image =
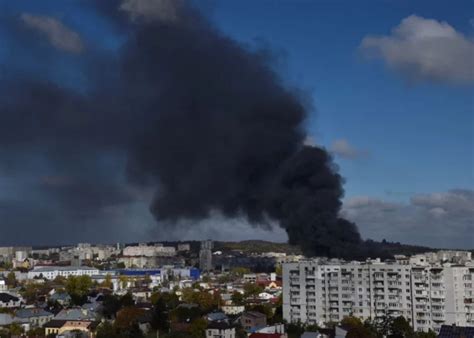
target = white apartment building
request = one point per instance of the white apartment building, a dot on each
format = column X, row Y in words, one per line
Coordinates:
column 149, row 250
column 427, row 295
column 51, row 272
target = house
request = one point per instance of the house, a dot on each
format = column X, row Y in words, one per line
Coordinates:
column 265, row 296
column 62, row 298
column 233, row 309
column 36, row 317
column 220, row 330
column 217, row 317
column 9, row 301
column 7, row 319
column 62, row 327
column 252, row 320
column 76, row 314
column 453, row 331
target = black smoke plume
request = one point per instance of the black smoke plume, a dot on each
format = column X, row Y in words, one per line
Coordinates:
column 189, row 111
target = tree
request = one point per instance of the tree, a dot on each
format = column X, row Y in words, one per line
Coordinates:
column 110, row 306
column 239, row 271
column 15, row 329
column 279, row 270
column 237, row 298
column 105, row 330
column 127, row 300
column 252, row 289
column 184, row 314
column 295, row 330
column 429, row 334
column 147, row 280
column 60, row 280
column 107, row 283
column 197, row 328
column 355, row 328
column 79, row 285
column 11, row 279
column 400, row 328
column 360, row 332
column 164, row 302
column 123, row 281
column 128, row 316
column 36, row 332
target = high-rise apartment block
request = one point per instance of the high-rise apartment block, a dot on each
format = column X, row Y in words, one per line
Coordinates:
column 427, row 290
column 205, row 255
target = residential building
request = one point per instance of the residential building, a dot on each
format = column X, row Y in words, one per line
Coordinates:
column 36, row 317
column 58, row 327
column 251, row 321
column 149, row 250
column 453, row 331
column 205, row 255
column 426, row 291
column 220, row 330
column 9, row 301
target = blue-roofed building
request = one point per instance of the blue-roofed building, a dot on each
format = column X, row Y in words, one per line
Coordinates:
column 453, row 331
column 37, row 317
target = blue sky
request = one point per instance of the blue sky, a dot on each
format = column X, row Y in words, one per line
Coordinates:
column 412, row 138
column 419, row 136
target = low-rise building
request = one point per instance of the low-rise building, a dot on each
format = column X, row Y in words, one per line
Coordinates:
column 9, row 301
column 60, row 327
column 51, row 272
column 36, row 317
column 220, row 330
column 251, row 321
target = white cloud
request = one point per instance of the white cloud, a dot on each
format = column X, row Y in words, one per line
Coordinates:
column 344, row 149
column 425, row 49
column 56, row 32
column 443, row 219
column 162, row 10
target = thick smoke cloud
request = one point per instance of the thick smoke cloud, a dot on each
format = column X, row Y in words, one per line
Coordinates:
column 204, row 121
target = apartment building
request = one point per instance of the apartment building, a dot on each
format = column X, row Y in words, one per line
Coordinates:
column 428, row 295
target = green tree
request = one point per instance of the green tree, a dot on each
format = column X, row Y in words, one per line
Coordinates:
column 15, row 329
column 123, row 281
column 106, row 330
column 355, row 328
column 279, row 270
column 79, row 285
column 110, row 306
column 107, row 283
column 36, row 332
column 11, row 280
column 252, row 289
column 197, row 328
column 429, row 334
column 237, row 298
column 400, row 327
column 239, row 271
